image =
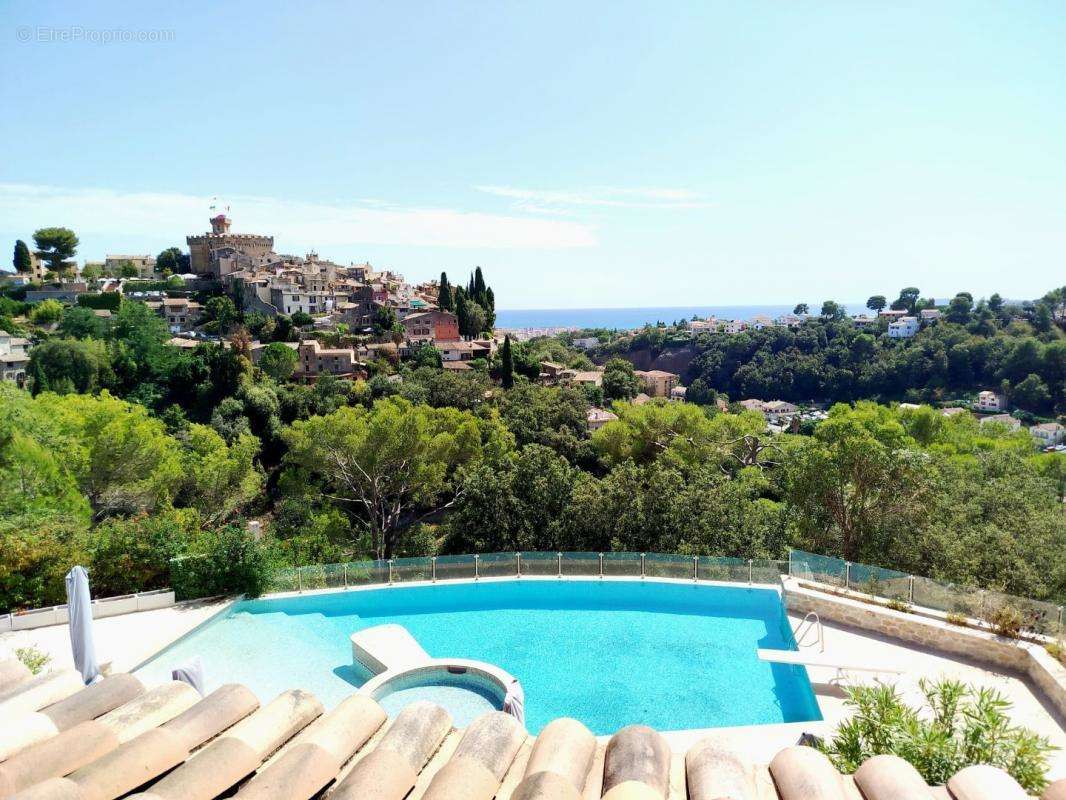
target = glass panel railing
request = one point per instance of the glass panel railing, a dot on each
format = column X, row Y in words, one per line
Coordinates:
column 498, row 565
column 581, row 564
column 540, row 563
column 622, row 564
column 449, row 568
column 768, row 571
column 821, row 569
column 723, row 568
column 659, row 565
column 405, row 570
column 878, row 581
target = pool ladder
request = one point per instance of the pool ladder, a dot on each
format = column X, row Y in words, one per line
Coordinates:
column 809, row 632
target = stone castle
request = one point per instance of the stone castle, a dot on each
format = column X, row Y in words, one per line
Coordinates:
column 201, row 247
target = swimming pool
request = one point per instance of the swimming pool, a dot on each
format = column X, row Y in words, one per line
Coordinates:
column 609, row 653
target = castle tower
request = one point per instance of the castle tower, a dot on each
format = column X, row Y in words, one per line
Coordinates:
column 203, row 245
column 220, row 224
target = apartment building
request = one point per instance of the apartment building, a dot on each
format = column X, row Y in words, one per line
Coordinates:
column 657, row 382
column 14, row 356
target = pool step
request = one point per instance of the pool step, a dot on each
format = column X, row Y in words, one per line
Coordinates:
column 387, row 647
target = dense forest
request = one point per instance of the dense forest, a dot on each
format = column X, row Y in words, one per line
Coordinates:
column 1016, row 349
column 143, row 461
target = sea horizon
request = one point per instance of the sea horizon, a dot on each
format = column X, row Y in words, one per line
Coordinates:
column 637, row 317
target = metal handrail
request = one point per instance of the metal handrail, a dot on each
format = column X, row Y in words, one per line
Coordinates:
column 810, row 623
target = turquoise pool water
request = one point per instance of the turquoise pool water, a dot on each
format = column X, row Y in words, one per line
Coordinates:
column 609, row 653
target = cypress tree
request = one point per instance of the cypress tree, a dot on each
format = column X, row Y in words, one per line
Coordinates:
column 444, row 294
column 507, row 364
column 479, row 287
column 21, row 261
column 460, row 313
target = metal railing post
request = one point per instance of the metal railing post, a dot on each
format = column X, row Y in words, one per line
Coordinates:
column 300, row 579
column 1060, row 620
column 601, row 565
column 390, row 571
column 695, row 568
column 790, row 562
column 559, row 557
column 642, row 573
column 518, row 562
column 345, row 574
column 433, row 569
column 750, row 571
column 847, row 575
column 477, row 570
column 910, row 590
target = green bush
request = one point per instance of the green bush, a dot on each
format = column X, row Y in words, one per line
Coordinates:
column 961, row 726
column 226, row 561
column 100, row 300
column 1005, row 621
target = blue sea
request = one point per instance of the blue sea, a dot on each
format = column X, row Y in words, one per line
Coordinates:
column 624, row 318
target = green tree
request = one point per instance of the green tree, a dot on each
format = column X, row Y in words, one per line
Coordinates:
column 832, row 310
column 619, row 380
column 444, row 294
column 222, row 312
column 395, row 462
column 877, row 303
column 301, row 319
column 56, row 247
column 46, row 312
column 82, row 323
column 506, row 364
column 278, row 361
column 959, row 309
column 384, row 319
column 907, row 299
column 21, row 260
column 801, row 309
column 172, row 261
column 67, row 365
column 1031, row 394
column 220, row 478
column 855, row 481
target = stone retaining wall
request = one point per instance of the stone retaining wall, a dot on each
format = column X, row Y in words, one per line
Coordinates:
column 929, row 630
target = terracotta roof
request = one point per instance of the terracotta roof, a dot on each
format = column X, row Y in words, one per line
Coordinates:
column 62, row 740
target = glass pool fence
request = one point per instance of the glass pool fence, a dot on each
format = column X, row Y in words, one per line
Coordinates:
column 1037, row 616
column 912, row 590
column 504, row 565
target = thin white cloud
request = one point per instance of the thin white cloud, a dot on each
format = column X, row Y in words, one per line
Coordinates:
column 293, row 223
column 604, row 196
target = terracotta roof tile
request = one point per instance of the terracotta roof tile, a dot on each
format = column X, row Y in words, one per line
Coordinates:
column 173, row 745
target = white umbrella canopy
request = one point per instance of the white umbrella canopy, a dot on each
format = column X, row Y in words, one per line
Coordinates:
column 79, row 607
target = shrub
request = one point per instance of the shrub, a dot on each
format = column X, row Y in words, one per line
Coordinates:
column 227, row 561
column 109, row 301
column 1005, row 621
column 961, row 726
column 955, row 618
column 1057, row 650
column 898, row 604
column 34, row 659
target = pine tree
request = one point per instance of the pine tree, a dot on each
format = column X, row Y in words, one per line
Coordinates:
column 21, row 261
column 507, row 364
column 444, row 294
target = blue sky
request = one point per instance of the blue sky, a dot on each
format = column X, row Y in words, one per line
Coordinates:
column 584, row 154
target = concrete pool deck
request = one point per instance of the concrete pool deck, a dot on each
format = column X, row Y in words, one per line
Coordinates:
column 128, row 640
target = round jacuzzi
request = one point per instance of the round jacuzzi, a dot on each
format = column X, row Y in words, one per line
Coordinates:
column 466, row 689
